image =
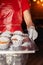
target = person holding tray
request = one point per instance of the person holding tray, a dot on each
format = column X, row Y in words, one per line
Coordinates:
column 12, row 13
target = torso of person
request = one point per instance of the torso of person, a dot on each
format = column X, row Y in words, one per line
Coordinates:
column 10, row 15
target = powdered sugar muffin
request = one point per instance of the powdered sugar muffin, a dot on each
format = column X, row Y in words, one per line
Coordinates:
column 4, row 42
column 17, row 40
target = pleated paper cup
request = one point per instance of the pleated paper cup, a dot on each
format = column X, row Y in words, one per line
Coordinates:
column 4, row 42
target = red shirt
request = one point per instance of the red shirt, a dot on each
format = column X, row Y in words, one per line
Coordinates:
column 11, row 14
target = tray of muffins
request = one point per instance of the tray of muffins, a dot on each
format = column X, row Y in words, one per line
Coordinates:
column 16, row 41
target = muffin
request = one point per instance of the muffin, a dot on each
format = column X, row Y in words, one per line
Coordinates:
column 17, row 40
column 4, row 42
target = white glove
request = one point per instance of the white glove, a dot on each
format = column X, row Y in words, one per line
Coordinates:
column 32, row 33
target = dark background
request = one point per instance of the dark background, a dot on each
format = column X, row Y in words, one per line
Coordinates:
column 37, row 17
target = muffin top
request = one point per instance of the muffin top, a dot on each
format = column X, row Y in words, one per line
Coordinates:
column 4, row 39
column 16, row 37
column 6, row 33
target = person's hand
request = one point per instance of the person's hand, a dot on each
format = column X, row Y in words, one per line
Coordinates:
column 32, row 33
